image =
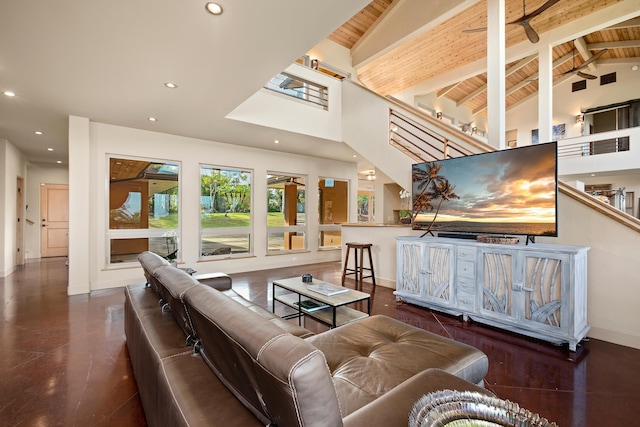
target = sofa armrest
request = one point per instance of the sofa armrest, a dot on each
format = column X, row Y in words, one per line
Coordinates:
column 219, row 281
column 393, row 408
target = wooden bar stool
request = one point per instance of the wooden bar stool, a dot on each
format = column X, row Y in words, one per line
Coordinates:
column 358, row 249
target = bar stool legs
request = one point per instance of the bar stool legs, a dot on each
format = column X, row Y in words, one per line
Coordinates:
column 358, row 271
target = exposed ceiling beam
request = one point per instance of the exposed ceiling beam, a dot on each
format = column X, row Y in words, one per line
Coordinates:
column 442, row 92
column 630, row 23
column 509, row 71
column 618, row 61
column 626, row 44
column 530, row 79
column 535, row 94
column 581, row 46
column 564, row 58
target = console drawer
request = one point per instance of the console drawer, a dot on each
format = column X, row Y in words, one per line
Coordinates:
column 466, row 300
column 466, row 284
column 466, row 253
column 466, row 269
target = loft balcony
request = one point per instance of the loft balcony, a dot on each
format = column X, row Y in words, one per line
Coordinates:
column 601, row 153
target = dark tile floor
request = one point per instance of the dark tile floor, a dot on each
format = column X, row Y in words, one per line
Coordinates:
column 64, row 361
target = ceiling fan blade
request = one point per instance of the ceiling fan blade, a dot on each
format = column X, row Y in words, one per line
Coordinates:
column 591, row 59
column 536, row 12
column 530, row 32
column 475, row 30
column 586, row 76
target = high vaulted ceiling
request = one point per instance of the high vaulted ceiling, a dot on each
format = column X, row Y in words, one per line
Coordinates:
column 430, row 53
column 109, row 62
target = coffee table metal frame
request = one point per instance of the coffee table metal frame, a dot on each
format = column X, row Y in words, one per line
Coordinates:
column 336, row 314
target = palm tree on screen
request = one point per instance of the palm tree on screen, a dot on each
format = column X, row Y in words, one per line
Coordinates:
column 431, row 186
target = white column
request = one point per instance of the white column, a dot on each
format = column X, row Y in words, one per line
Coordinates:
column 545, row 93
column 496, row 72
column 79, row 206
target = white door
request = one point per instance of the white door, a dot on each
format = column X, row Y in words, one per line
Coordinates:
column 54, row 220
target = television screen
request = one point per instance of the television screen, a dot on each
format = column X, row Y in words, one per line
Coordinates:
column 510, row 191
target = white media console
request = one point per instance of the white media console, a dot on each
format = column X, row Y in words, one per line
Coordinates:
column 538, row 290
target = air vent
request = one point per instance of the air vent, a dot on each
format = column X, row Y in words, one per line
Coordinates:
column 579, row 85
column 607, row 78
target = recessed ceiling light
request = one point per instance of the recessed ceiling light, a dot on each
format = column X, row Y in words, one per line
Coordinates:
column 38, row 132
column 49, row 149
column 276, row 141
column 153, row 119
column 59, row 162
column 634, row 68
column 354, row 156
column 213, row 8
column 171, row 85
column 9, row 93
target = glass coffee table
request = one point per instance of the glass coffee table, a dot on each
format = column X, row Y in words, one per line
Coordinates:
column 331, row 310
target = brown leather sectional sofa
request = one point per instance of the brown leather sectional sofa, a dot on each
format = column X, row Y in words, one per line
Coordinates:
column 203, row 355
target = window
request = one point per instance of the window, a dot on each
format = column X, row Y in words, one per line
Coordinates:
column 286, row 213
column 143, row 209
column 300, row 88
column 333, row 202
column 225, row 212
column 365, row 205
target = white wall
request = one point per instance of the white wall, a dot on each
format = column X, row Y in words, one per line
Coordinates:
column 38, row 174
column 14, row 166
column 449, row 109
column 335, row 55
column 189, row 153
column 567, row 104
column 280, row 111
column 613, row 270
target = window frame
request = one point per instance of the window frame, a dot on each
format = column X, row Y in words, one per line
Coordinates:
column 138, row 233
column 227, row 231
column 322, row 227
column 304, row 229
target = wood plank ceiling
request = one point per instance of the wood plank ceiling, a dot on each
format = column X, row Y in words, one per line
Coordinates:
column 447, row 46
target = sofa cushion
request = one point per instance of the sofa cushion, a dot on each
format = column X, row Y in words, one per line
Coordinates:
column 397, row 404
column 190, row 395
column 370, row 357
column 276, row 375
column 288, row 326
column 152, row 336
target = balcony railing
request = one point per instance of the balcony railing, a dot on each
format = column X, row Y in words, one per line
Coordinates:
column 591, row 148
column 299, row 88
column 420, row 142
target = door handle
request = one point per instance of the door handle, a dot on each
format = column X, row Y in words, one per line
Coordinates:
column 44, row 225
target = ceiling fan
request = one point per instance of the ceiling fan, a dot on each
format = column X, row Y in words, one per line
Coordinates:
column 578, row 70
column 523, row 21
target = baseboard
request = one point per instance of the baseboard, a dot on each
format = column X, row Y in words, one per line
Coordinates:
column 615, row 337
column 8, row 271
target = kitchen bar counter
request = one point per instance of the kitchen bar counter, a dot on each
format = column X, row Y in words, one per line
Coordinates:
column 382, row 236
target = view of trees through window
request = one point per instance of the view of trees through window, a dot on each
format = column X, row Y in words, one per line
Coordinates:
column 225, row 211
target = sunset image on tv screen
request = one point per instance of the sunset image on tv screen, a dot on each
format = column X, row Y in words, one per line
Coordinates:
column 510, row 191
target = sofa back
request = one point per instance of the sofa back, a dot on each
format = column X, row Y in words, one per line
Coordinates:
column 151, row 261
column 281, row 378
column 173, row 283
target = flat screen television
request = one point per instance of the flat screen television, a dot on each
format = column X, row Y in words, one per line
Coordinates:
column 505, row 192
